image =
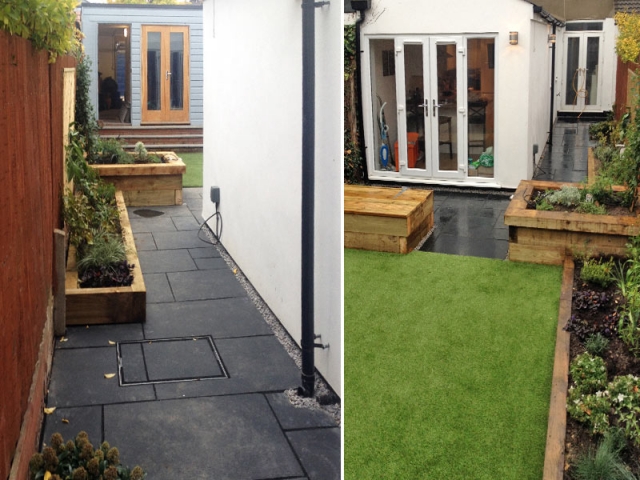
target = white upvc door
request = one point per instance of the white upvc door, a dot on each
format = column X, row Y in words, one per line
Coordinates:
column 582, row 88
column 430, row 112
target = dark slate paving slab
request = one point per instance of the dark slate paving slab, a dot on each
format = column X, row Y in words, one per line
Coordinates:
column 292, row 417
column 173, row 210
column 254, row 364
column 194, row 204
column 153, row 224
column 233, row 438
column 182, row 359
column 77, row 379
column 177, row 240
column 210, row 263
column 474, row 247
column 204, row 252
column 99, row 335
column 191, row 192
column 88, row 419
column 229, row 317
column 319, row 452
column 185, row 223
column 163, row 261
column 133, row 367
column 144, row 241
column 158, row 289
column 204, row 285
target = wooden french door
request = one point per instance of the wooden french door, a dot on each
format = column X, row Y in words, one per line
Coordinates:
column 165, row 74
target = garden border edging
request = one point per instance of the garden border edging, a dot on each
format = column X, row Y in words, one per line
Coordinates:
column 557, row 422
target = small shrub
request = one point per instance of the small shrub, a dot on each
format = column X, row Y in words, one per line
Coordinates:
column 141, row 152
column 106, row 250
column 569, row 196
column 606, row 462
column 590, row 300
column 596, row 344
column 589, row 373
column 598, row 271
column 77, row 460
column 591, row 409
column 625, row 400
column 544, row 206
column 591, row 208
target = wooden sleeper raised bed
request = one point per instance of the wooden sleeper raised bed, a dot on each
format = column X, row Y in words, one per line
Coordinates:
column 107, row 305
column 147, row 184
column 548, row 237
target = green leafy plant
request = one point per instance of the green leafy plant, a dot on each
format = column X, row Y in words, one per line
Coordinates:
column 544, row 205
column 596, row 344
column 141, row 153
column 48, row 24
column 591, row 208
column 605, row 462
column 85, row 118
column 590, row 408
column 106, row 250
column 625, row 399
column 589, row 373
column 78, row 460
column 568, row 195
column 597, row 271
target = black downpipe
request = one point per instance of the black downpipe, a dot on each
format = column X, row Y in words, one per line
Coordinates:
column 553, row 88
column 308, row 196
column 358, row 80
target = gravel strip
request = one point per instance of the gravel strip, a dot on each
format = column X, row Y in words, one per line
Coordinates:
column 324, row 398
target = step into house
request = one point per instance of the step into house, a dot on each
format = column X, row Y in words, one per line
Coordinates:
column 177, row 138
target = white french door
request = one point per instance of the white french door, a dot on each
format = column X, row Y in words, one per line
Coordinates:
column 430, row 107
column 582, row 73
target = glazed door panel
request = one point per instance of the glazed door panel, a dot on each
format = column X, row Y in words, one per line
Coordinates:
column 165, row 74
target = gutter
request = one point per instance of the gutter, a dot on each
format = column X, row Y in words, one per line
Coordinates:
column 308, row 335
column 358, row 82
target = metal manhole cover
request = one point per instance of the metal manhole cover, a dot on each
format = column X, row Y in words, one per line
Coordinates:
column 169, row 360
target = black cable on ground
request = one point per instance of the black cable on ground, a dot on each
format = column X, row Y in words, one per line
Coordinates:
column 217, row 234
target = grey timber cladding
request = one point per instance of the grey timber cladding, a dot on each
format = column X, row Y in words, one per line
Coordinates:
column 627, row 5
column 136, row 16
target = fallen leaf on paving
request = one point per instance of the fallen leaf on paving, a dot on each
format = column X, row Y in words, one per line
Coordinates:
column 87, row 326
column 235, row 270
column 64, row 420
column 63, row 339
column 111, row 343
column 49, row 411
column 109, row 375
column 195, row 339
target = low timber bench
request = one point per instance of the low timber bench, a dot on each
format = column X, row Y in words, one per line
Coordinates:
column 386, row 219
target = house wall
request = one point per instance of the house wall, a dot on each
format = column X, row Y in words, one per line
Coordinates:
column 136, row 16
column 512, row 67
column 539, row 90
column 252, row 151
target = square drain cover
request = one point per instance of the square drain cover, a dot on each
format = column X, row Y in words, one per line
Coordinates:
column 168, row 360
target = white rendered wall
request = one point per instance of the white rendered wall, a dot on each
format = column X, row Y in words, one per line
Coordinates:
column 512, row 64
column 539, row 91
column 252, row 151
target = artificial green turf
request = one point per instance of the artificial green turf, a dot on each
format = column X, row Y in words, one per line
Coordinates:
column 193, row 177
column 448, row 365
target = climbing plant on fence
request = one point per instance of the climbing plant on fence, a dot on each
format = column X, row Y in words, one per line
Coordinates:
column 48, row 24
column 353, row 161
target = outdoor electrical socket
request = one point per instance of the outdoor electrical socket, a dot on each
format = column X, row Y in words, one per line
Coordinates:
column 535, row 148
column 215, row 195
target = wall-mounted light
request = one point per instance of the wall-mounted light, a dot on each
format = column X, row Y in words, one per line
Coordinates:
column 513, row 38
column 126, row 32
column 552, row 39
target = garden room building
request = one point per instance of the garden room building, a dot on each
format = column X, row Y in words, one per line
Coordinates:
column 466, row 92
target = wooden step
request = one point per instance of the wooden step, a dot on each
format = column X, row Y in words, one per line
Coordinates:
column 158, row 139
column 124, row 130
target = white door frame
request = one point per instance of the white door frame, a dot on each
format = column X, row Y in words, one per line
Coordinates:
column 579, row 78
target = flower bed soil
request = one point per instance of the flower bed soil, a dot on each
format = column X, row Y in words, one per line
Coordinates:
column 619, row 361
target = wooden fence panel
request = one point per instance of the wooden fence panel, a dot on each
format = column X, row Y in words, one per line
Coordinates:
column 30, row 187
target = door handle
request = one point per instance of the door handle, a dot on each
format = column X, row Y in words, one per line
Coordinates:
column 168, row 74
column 435, row 105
